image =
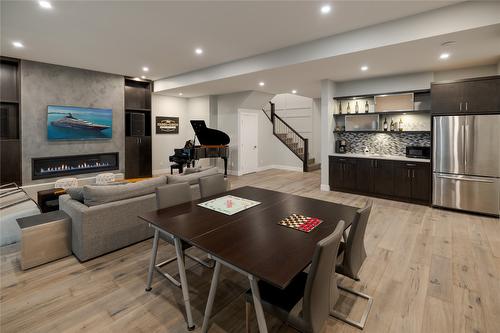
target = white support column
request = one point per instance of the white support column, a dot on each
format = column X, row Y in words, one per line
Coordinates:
column 327, row 93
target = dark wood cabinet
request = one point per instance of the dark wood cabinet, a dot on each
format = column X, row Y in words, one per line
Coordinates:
column 138, row 149
column 478, row 95
column 10, row 161
column 383, row 177
column 399, row 180
column 137, row 157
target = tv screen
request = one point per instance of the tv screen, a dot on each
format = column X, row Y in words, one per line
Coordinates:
column 78, row 123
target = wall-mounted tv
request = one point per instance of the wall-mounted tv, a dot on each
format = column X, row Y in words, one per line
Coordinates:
column 78, row 123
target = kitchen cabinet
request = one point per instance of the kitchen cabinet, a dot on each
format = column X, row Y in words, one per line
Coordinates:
column 391, row 179
column 479, row 95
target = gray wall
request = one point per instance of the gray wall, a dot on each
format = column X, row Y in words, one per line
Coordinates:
column 45, row 84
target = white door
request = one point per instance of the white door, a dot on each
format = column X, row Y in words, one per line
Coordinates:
column 249, row 131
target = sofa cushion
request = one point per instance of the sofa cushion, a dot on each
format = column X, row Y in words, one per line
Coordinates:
column 76, row 193
column 192, row 179
column 97, row 195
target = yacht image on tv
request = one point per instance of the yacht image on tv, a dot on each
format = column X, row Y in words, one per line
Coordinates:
column 71, row 122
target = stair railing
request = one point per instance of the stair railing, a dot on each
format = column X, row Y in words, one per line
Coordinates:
column 289, row 137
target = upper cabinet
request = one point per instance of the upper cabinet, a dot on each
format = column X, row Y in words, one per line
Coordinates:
column 480, row 95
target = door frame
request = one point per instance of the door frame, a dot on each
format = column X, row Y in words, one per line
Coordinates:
column 253, row 113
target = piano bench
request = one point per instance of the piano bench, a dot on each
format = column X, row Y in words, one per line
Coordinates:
column 179, row 167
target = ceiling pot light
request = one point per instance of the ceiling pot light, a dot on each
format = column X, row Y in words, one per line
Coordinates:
column 326, row 9
column 180, row 94
column 261, row 84
column 364, row 68
column 145, row 69
column 294, row 91
column 444, row 56
column 17, row 44
column 45, row 4
column 198, row 51
column 143, row 77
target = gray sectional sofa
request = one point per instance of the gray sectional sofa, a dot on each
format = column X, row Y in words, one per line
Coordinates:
column 104, row 218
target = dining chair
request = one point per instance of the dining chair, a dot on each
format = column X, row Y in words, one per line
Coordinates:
column 167, row 196
column 311, row 287
column 212, row 185
column 351, row 256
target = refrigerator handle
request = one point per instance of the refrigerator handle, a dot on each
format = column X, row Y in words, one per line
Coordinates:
column 479, row 180
column 464, row 151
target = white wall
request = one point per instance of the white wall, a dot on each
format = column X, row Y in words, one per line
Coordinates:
column 465, row 73
column 186, row 109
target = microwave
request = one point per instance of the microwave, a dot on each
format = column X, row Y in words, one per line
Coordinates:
column 418, row 152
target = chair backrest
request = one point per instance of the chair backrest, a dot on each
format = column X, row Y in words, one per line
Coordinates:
column 212, row 185
column 65, row 183
column 321, row 283
column 172, row 194
column 354, row 252
column 105, row 178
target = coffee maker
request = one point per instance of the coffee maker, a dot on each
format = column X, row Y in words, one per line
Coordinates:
column 341, row 146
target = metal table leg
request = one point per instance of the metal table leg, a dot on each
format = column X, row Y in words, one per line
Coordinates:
column 184, row 284
column 211, row 297
column 153, row 260
column 259, row 312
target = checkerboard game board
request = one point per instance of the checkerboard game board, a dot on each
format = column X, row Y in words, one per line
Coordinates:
column 300, row 222
column 229, row 204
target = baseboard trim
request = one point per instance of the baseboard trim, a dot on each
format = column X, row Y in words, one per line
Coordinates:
column 325, row 187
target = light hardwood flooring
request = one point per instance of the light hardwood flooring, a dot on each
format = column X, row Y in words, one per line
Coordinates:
column 429, row 270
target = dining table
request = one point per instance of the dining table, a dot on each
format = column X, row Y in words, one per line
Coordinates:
column 251, row 241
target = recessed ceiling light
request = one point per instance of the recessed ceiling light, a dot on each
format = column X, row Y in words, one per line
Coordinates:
column 143, row 77
column 261, row 84
column 198, row 51
column 326, row 9
column 45, row 4
column 444, row 56
column 180, row 94
column 294, row 91
column 364, row 68
column 145, row 69
column 17, row 44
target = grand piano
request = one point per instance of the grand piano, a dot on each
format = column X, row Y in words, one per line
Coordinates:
column 213, row 144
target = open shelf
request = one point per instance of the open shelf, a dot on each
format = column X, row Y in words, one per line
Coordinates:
column 382, row 113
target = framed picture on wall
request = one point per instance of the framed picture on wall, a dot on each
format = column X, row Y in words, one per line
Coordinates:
column 167, row 125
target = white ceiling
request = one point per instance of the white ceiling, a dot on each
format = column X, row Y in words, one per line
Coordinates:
column 472, row 48
column 122, row 36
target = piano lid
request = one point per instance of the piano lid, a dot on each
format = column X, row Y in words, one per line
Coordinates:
column 208, row 136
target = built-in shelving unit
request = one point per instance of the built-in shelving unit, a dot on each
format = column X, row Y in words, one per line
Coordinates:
column 138, row 128
column 10, row 124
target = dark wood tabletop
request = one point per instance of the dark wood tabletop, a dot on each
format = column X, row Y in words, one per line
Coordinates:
column 252, row 240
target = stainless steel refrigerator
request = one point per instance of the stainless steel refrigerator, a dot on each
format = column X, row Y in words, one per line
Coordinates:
column 466, row 163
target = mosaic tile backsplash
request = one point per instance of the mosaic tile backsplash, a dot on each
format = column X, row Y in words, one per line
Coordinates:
column 384, row 143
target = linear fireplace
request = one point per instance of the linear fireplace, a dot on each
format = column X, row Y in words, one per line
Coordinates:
column 49, row 167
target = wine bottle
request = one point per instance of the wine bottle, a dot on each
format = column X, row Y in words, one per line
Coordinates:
column 356, row 108
column 348, row 108
column 400, row 125
column 367, row 107
column 340, row 107
column 385, row 124
column 392, row 126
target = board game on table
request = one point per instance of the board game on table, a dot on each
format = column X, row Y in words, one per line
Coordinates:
column 229, row 204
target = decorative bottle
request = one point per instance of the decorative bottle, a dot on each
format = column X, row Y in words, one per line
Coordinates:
column 340, row 107
column 385, row 124
column 400, row 125
column 348, row 108
column 356, row 108
column 367, row 107
column 392, row 126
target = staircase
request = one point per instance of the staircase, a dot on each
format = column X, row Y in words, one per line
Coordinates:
column 292, row 139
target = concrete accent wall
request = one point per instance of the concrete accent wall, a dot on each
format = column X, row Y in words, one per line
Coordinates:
column 45, row 84
column 186, row 109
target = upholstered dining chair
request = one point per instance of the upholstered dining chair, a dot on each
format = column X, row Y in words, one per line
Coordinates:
column 311, row 287
column 351, row 256
column 168, row 196
column 212, row 185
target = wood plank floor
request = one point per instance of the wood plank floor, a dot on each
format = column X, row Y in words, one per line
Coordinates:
column 429, row 270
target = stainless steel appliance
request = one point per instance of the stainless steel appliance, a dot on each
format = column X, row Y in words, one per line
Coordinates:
column 466, row 163
column 341, row 146
column 418, row 151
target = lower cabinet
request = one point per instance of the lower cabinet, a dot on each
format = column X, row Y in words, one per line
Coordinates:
column 399, row 180
column 138, row 156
